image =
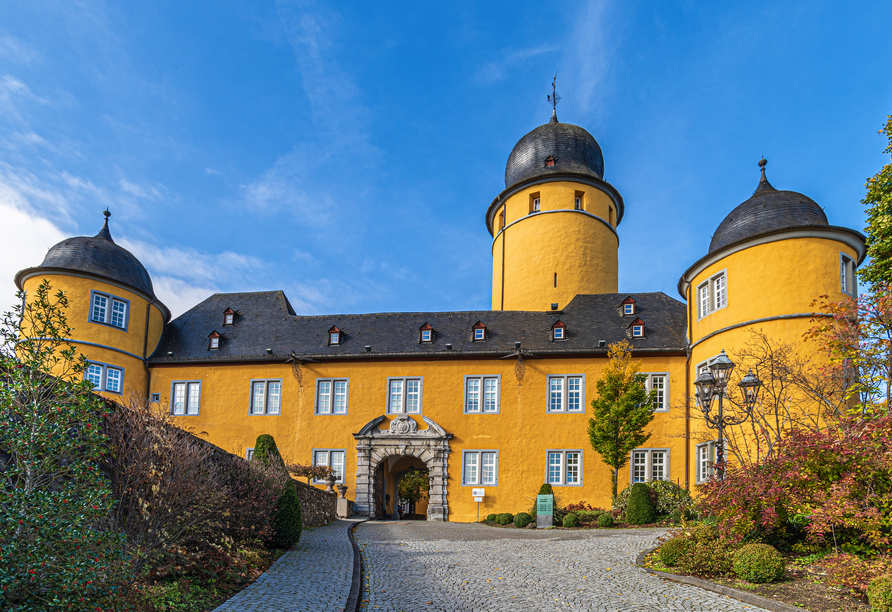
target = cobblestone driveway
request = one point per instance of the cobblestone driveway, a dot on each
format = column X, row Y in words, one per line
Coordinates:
column 413, row 565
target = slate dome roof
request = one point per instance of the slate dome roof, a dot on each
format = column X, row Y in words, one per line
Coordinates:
column 573, row 149
column 100, row 255
column 768, row 210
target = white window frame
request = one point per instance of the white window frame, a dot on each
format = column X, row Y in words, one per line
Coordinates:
column 477, row 480
column 331, row 396
column 565, row 396
column 249, row 453
column 707, row 296
column 229, row 319
column 649, row 464
column 537, row 205
column 577, row 203
column 334, row 337
column 107, row 314
column 562, row 481
column 266, row 410
column 214, row 343
column 401, row 409
column 558, row 333
column 188, row 386
column 704, row 460
column 328, row 452
column 479, row 334
column 427, row 335
column 628, row 309
column 649, row 385
column 481, row 393
column 637, row 331
column 103, row 377
column 848, row 279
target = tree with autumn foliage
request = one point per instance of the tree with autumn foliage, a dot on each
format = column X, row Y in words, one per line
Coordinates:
column 879, row 222
column 622, row 410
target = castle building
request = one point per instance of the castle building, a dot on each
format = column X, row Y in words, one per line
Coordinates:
column 495, row 400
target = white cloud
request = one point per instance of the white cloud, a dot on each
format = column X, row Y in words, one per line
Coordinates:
column 211, row 171
column 13, row 94
column 179, row 295
column 496, row 71
column 589, row 56
column 16, row 50
column 26, row 239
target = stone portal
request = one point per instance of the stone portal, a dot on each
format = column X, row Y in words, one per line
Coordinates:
column 402, row 438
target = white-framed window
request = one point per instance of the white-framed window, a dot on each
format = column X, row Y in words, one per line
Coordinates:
column 105, row 377
column 659, row 382
column 482, row 394
column 109, row 310
column 425, row 335
column 228, row 316
column 215, row 342
column 249, row 453
column 335, row 458
column 637, row 331
column 334, row 337
column 558, row 333
column 629, row 309
column 649, row 464
column 848, row 282
column 566, row 393
column 480, row 333
column 266, row 396
column 712, row 294
column 705, row 458
column 480, row 467
column 536, row 205
column 185, row 397
column 564, row 467
column 331, row 395
column 404, row 395
column 577, row 203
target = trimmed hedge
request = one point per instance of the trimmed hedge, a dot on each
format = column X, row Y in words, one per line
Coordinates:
column 522, row 519
column 546, row 489
column 672, row 550
column 287, row 519
column 758, row 563
column 879, row 594
column 605, row 520
column 504, row 518
column 571, row 520
column 265, row 449
column 641, row 508
column 490, row 518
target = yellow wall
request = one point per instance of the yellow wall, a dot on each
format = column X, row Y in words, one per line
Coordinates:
column 132, row 340
column 521, row 432
column 581, row 249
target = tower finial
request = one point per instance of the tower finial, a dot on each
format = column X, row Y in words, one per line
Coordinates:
column 764, row 185
column 554, row 98
column 106, row 214
column 104, row 233
column 762, row 163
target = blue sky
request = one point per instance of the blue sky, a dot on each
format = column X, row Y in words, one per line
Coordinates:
column 346, row 152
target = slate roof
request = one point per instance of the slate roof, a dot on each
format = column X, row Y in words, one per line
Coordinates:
column 767, row 211
column 266, row 320
column 98, row 255
column 573, row 148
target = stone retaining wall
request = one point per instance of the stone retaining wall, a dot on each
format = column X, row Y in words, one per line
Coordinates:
column 318, row 507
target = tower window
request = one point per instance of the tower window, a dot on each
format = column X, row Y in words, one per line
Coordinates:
column 502, row 219
column 611, row 216
column 578, row 201
column 847, row 275
column 109, row 310
column 712, row 294
column 535, row 203
column 105, row 377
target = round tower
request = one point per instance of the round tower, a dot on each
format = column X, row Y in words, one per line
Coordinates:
column 554, row 225
column 116, row 321
column 768, row 260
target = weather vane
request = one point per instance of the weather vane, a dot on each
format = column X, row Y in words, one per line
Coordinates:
column 554, row 98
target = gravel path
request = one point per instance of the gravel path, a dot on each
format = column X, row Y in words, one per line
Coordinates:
column 414, row 565
column 315, row 576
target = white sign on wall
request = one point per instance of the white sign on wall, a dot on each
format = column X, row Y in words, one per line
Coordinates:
column 477, row 493
column 478, row 499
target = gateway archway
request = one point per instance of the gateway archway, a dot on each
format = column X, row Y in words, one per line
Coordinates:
column 402, row 438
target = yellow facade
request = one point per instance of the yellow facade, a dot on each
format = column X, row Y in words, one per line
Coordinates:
column 555, row 307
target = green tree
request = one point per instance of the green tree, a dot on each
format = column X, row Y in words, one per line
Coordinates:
column 622, row 410
column 415, row 485
column 54, row 497
column 879, row 222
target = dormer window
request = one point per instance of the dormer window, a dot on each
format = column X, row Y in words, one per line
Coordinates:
column 549, row 161
column 637, row 327
column 213, row 341
column 628, row 306
column 228, row 316
column 479, row 331
column 427, row 333
column 558, row 331
column 334, row 335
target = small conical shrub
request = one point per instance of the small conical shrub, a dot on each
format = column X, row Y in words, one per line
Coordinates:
column 546, row 489
column 287, row 519
column 265, row 449
column 641, row 508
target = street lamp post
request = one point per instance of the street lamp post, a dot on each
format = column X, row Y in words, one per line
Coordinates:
column 712, row 383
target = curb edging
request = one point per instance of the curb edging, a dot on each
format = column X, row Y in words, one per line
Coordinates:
column 353, row 598
column 749, row 598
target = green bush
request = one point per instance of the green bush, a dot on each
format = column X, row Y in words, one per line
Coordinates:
column 708, row 554
column 668, row 497
column 605, row 520
column 287, row 519
column 546, row 489
column 759, row 563
column 571, row 520
column 879, row 594
column 672, row 549
column 504, row 518
column 490, row 518
column 265, row 450
column 589, row 516
column 522, row 519
column 640, row 509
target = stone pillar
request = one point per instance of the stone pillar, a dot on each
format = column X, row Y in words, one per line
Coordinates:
column 343, row 504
